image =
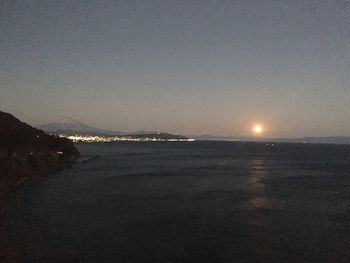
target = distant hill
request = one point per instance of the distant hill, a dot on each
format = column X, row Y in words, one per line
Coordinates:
column 143, row 132
column 70, row 126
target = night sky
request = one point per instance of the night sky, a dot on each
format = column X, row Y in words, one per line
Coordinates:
column 187, row 67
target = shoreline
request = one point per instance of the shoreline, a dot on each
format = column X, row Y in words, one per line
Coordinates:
column 26, row 152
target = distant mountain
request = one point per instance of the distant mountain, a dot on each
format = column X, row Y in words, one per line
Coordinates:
column 143, row 132
column 70, row 126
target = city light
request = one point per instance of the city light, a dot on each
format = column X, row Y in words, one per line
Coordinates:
column 107, row 139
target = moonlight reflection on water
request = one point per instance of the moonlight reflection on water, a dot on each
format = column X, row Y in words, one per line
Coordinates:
column 194, row 202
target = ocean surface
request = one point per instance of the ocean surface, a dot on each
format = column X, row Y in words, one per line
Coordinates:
column 185, row 202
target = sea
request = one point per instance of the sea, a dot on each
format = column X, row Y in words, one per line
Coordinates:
column 185, row 202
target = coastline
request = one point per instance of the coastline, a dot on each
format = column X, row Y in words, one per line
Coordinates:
column 26, row 152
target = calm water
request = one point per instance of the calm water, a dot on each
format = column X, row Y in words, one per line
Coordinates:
column 186, row 202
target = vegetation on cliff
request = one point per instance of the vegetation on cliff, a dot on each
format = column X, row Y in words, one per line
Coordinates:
column 26, row 152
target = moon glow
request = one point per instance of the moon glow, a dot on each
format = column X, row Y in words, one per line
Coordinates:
column 258, row 129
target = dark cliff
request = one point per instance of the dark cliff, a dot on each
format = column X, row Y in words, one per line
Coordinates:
column 26, row 152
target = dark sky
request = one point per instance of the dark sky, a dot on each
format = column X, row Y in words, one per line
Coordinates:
column 201, row 66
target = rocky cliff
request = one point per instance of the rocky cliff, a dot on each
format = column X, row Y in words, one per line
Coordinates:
column 26, row 152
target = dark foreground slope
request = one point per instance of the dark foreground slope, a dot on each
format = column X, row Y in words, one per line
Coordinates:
column 26, row 152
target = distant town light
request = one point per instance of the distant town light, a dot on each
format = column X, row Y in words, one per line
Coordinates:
column 106, row 139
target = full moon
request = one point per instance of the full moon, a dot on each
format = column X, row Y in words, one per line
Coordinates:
column 258, row 129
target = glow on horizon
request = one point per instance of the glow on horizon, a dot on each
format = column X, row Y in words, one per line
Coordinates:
column 258, row 130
